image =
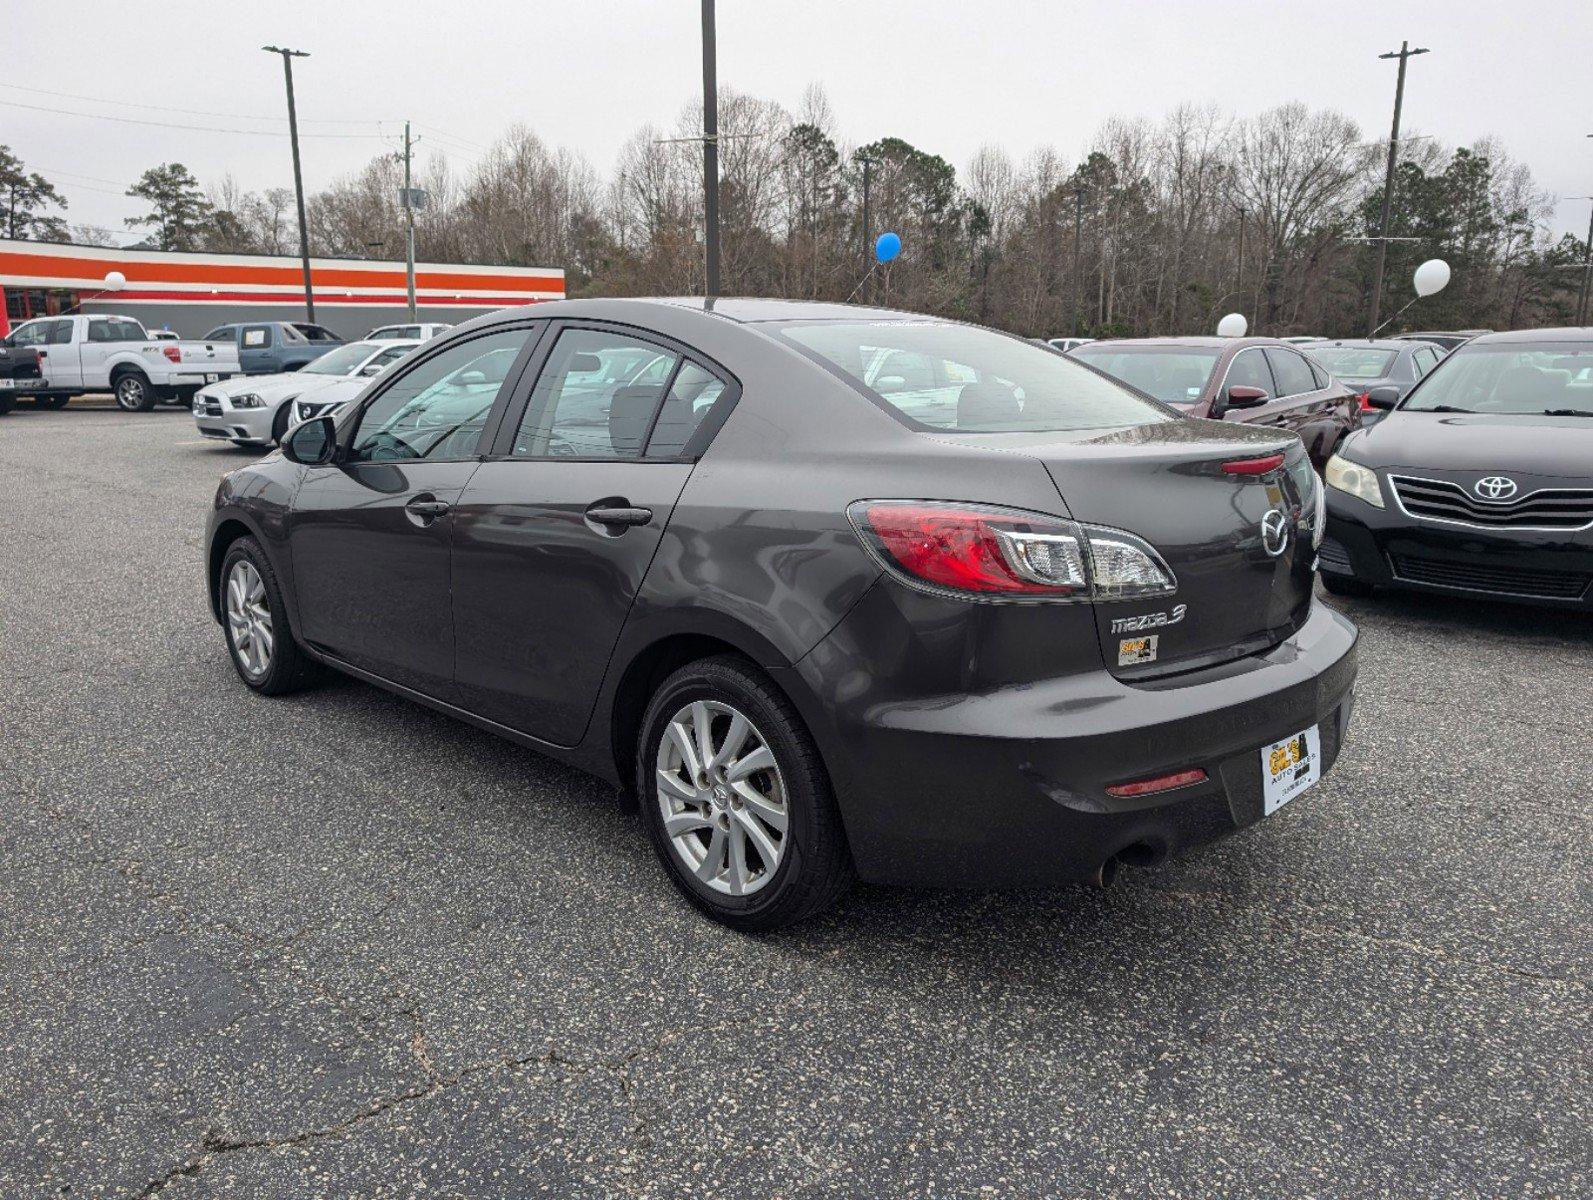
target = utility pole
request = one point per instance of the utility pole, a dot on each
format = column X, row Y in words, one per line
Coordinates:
column 868, row 267
column 409, row 226
column 1404, row 54
column 298, row 177
column 1239, row 275
column 1587, row 270
column 710, row 147
column 1078, row 248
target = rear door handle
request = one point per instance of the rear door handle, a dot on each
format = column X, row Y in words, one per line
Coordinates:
column 617, row 514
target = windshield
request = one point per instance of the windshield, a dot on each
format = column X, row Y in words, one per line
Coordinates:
column 1173, row 374
column 1534, row 377
column 1355, row 362
column 944, row 376
column 345, row 360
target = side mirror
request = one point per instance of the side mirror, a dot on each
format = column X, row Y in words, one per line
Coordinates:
column 475, row 378
column 1383, row 397
column 312, row 444
column 1240, row 396
column 890, row 383
column 371, row 369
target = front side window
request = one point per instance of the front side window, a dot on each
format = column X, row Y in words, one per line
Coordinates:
column 221, row 333
column 1356, row 362
column 1504, row 377
column 438, row 409
column 1425, row 359
column 941, row 376
column 1291, row 371
column 1173, row 374
column 595, row 397
column 1249, row 369
column 59, row 333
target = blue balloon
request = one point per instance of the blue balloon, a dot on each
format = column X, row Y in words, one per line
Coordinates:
column 887, row 247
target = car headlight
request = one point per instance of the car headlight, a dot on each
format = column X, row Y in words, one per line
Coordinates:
column 248, row 400
column 1358, row 481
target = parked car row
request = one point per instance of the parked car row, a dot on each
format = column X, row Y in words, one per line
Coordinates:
column 51, row 359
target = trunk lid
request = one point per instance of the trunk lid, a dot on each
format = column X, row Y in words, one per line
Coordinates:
column 1165, row 484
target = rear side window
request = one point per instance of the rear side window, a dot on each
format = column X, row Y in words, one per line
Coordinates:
column 256, row 336
column 100, row 331
column 691, row 398
column 935, row 375
column 596, row 397
column 1291, row 371
column 1249, row 369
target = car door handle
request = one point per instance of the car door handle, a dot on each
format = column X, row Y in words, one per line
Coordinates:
column 618, row 514
column 426, row 507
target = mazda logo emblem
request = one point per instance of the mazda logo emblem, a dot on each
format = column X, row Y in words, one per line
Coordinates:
column 1275, row 532
column 1494, row 488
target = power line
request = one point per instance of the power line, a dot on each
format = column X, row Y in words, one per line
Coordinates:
column 192, row 112
column 191, row 128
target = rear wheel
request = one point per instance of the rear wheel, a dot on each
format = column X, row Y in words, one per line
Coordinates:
column 256, row 624
column 1346, row 585
column 133, row 392
column 736, row 799
column 51, row 401
column 7, row 401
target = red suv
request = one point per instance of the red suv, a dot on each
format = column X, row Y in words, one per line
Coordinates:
column 1257, row 380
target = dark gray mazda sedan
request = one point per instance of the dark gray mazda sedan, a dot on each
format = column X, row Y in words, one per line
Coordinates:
column 829, row 591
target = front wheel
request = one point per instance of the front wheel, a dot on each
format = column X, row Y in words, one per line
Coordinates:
column 256, row 624
column 133, row 393
column 51, row 401
column 736, row 799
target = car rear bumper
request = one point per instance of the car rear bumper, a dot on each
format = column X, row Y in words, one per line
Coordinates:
column 1008, row 788
column 1388, row 548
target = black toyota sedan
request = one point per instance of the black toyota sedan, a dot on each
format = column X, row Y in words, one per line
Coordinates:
column 828, row 591
column 1480, row 483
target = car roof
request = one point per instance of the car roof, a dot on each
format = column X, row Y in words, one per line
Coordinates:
column 1376, row 343
column 1570, row 333
column 1194, row 342
column 739, row 309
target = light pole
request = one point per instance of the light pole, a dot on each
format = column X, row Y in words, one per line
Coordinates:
column 710, row 147
column 1587, row 269
column 298, row 177
column 868, row 267
column 1404, row 54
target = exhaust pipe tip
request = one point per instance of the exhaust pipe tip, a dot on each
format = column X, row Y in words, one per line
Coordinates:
column 1105, row 875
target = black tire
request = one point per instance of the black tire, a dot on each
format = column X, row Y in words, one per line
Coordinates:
column 51, row 401
column 7, row 402
column 133, row 392
column 815, row 867
column 1346, row 585
column 289, row 668
column 279, row 423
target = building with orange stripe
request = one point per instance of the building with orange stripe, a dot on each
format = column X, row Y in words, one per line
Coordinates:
column 192, row 293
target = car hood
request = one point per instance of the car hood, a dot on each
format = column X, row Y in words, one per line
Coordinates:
column 337, row 391
column 272, row 388
column 1543, row 446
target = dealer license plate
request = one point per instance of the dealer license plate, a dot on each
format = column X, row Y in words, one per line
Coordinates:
column 212, row 378
column 7, row 384
column 1289, row 767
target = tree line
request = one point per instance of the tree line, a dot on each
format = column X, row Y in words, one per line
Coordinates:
column 1160, row 227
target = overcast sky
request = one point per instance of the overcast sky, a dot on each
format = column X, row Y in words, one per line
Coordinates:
column 947, row 75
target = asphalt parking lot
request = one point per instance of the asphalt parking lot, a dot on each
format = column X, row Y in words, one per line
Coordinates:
column 337, row 945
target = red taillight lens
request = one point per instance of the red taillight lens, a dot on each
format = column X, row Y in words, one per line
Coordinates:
column 970, row 549
column 1161, row 783
column 173, row 353
column 1365, row 399
column 1253, row 466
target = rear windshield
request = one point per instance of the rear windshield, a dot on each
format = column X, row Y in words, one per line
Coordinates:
column 1173, row 374
column 943, row 376
column 1354, row 362
column 1522, row 378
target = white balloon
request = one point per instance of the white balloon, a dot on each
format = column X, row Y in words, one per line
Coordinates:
column 1233, row 325
column 115, row 280
column 1432, row 276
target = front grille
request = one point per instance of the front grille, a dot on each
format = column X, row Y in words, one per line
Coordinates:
column 1506, row 581
column 1546, row 508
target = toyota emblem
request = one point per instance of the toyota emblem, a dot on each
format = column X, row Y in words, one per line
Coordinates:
column 1494, row 488
column 1275, row 532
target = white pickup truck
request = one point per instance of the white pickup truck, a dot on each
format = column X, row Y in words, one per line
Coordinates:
column 112, row 354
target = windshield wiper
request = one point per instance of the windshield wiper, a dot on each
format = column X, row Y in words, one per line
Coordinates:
column 1446, row 408
column 1568, row 412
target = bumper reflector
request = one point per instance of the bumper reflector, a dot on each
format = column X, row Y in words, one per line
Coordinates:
column 1161, row 783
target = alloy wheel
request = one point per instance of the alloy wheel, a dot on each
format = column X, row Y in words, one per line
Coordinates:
column 130, row 392
column 722, row 797
column 249, row 619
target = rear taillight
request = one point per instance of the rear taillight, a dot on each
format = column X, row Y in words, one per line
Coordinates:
column 173, row 353
column 982, row 550
column 1365, row 401
column 1253, row 466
